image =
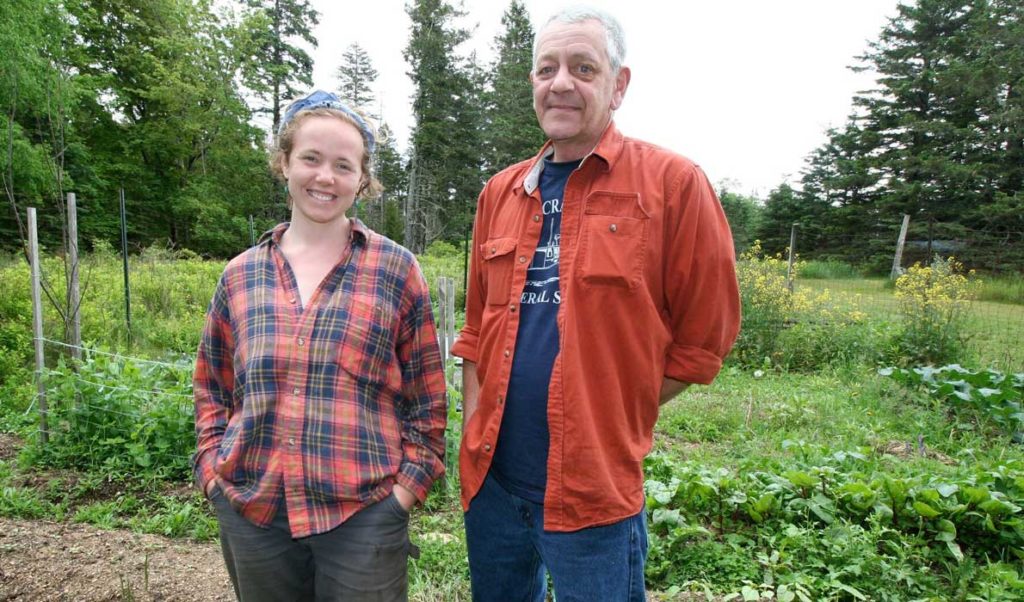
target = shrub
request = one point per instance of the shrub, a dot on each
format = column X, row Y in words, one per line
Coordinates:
column 767, row 302
column 934, row 301
column 796, row 330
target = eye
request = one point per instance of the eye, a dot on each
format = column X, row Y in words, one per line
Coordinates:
column 586, row 69
column 308, row 158
column 545, row 70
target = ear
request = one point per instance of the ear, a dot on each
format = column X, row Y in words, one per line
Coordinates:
column 621, row 83
column 285, row 167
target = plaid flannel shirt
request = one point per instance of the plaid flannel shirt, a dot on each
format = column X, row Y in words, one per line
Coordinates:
column 325, row 407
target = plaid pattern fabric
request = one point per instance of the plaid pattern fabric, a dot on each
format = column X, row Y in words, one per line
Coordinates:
column 324, row 407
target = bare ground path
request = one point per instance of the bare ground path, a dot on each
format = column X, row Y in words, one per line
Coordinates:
column 48, row 561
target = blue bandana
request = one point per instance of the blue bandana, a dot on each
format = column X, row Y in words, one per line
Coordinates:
column 318, row 99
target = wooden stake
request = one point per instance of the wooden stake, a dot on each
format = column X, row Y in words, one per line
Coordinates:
column 37, row 322
column 897, row 260
column 74, row 296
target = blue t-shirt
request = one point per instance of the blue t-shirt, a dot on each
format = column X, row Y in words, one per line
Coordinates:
column 521, row 457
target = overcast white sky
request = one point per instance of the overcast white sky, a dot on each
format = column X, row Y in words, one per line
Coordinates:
column 746, row 88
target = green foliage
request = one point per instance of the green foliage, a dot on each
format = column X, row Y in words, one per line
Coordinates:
column 934, row 301
column 831, row 269
column 15, row 335
column 744, row 215
column 821, row 524
column 121, row 417
column 444, row 259
column 988, row 395
column 1002, row 289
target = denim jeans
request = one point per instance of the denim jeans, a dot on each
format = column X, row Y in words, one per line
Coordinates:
column 509, row 553
column 364, row 559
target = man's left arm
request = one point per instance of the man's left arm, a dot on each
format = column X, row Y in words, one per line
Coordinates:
column 701, row 292
column 424, row 412
column 670, row 387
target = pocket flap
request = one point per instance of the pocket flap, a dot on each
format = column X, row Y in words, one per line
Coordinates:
column 496, row 247
column 617, row 204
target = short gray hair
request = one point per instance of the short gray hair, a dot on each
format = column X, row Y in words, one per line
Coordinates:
column 615, row 43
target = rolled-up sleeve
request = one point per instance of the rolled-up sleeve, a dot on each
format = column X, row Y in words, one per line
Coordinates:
column 701, row 290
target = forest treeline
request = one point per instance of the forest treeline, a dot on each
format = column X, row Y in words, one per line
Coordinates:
column 161, row 99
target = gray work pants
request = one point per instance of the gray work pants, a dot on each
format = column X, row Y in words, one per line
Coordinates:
column 364, row 559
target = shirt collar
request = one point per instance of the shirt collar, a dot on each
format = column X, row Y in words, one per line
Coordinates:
column 359, row 233
column 608, row 149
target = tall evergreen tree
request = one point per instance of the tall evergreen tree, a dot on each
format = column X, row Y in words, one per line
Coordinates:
column 940, row 138
column 277, row 67
column 511, row 132
column 438, row 204
column 356, row 77
column 393, row 177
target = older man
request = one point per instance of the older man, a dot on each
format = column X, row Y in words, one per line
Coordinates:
column 602, row 283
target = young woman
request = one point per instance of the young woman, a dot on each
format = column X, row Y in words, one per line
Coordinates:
column 319, row 389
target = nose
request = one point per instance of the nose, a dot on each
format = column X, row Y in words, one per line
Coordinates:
column 562, row 82
column 325, row 172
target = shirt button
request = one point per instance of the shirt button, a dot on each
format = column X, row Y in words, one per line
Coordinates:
column 487, row 447
column 291, row 299
column 295, row 390
column 494, row 249
column 522, row 259
column 301, row 342
column 613, row 227
column 501, row 400
column 291, row 441
column 536, row 218
column 512, row 307
column 508, row 353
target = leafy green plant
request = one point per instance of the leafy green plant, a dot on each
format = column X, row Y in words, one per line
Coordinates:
column 985, row 395
column 120, row 416
column 827, row 524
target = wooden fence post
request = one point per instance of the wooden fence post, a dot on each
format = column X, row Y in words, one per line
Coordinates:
column 37, row 322
column 792, row 257
column 897, row 260
column 442, row 318
column 124, row 260
column 450, row 318
column 74, row 295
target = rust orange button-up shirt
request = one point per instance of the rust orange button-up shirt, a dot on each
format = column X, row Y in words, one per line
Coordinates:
column 648, row 283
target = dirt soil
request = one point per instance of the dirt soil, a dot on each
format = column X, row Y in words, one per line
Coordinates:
column 48, row 561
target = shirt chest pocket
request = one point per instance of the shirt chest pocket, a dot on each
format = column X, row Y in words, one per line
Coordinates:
column 369, row 337
column 497, row 254
column 613, row 240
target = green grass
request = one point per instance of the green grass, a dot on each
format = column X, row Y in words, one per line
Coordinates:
column 1002, row 289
